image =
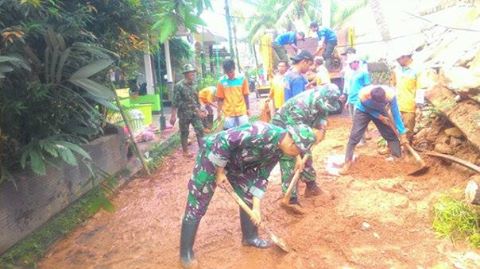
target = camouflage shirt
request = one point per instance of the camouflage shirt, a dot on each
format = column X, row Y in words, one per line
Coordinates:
column 307, row 107
column 185, row 99
column 250, row 147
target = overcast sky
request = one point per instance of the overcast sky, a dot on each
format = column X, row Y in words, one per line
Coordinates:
column 215, row 18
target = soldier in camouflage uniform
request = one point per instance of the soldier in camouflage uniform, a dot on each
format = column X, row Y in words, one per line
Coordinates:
column 185, row 103
column 310, row 108
column 244, row 156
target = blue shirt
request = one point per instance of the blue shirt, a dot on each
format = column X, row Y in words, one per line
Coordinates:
column 358, row 80
column 327, row 33
column 295, row 84
column 286, row 39
column 367, row 105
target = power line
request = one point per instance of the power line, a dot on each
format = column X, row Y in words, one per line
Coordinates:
column 442, row 25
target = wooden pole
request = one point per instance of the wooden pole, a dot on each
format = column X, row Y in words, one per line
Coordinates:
column 127, row 124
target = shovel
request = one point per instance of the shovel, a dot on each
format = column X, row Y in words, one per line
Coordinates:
column 286, row 198
column 275, row 239
column 422, row 168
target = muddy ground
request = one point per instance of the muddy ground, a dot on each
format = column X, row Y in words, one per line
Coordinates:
column 144, row 230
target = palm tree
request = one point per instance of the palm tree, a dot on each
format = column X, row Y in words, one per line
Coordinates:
column 290, row 15
column 380, row 19
column 284, row 14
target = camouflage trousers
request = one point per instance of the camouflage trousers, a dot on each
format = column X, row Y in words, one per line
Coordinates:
column 287, row 169
column 184, row 126
column 202, row 185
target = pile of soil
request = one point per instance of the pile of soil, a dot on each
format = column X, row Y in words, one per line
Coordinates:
column 438, row 134
column 376, row 217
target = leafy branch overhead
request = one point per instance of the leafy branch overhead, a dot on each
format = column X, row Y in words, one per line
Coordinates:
column 174, row 14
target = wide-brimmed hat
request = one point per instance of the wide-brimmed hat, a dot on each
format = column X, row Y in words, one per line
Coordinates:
column 188, row 68
column 303, row 136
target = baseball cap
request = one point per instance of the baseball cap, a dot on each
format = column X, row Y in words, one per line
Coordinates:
column 349, row 50
column 303, row 55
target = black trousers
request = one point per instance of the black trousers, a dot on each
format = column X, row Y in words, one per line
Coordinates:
column 360, row 123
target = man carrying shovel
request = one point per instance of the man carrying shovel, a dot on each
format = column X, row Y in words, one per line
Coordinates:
column 244, row 156
column 372, row 106
column 310, row 108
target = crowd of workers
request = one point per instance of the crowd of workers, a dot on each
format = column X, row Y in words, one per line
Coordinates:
column 244, row 153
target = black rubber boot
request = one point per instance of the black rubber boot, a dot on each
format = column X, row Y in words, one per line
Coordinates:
column 250, row 232
column 187, row 238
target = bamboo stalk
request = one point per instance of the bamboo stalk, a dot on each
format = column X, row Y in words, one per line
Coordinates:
column 125, row 119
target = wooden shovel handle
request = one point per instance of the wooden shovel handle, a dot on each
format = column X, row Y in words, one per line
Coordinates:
column 467, row 164
column 293, row 183
column 239, row 201
column 407, row 145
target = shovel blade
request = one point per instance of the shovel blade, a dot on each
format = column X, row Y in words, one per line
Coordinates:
column 279, row 242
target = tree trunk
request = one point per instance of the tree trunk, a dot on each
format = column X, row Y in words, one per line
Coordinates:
column 380, row 19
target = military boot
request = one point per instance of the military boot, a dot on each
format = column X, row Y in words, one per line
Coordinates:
column 187, row 238
column 293, row 206
column 250, row 232
column 312, row 189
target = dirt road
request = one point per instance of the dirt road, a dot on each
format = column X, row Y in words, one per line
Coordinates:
column 377, row 217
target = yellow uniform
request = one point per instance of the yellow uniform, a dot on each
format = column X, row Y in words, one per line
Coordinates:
column 406, row 82
column 206, row 95
column 323, row 77
column 277, row 92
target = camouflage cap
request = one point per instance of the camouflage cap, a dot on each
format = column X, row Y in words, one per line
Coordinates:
column 330, row 94
column 303, row 136
column 188, row 68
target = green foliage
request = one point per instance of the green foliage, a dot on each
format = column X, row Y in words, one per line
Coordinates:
column 52, row 85
column 207, row 81
column 293, row 15
column 181, row 53
column 170, row 15
column 159, row 151
column 381, row 142
column 380, row 78
column 49, row 108
column 27, row 252
column 456, row 220
column 340, row 15
column 54, row 57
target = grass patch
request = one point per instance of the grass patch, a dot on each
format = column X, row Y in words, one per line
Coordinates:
column 161, row 150
column 27, row 252
column 456, row 220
